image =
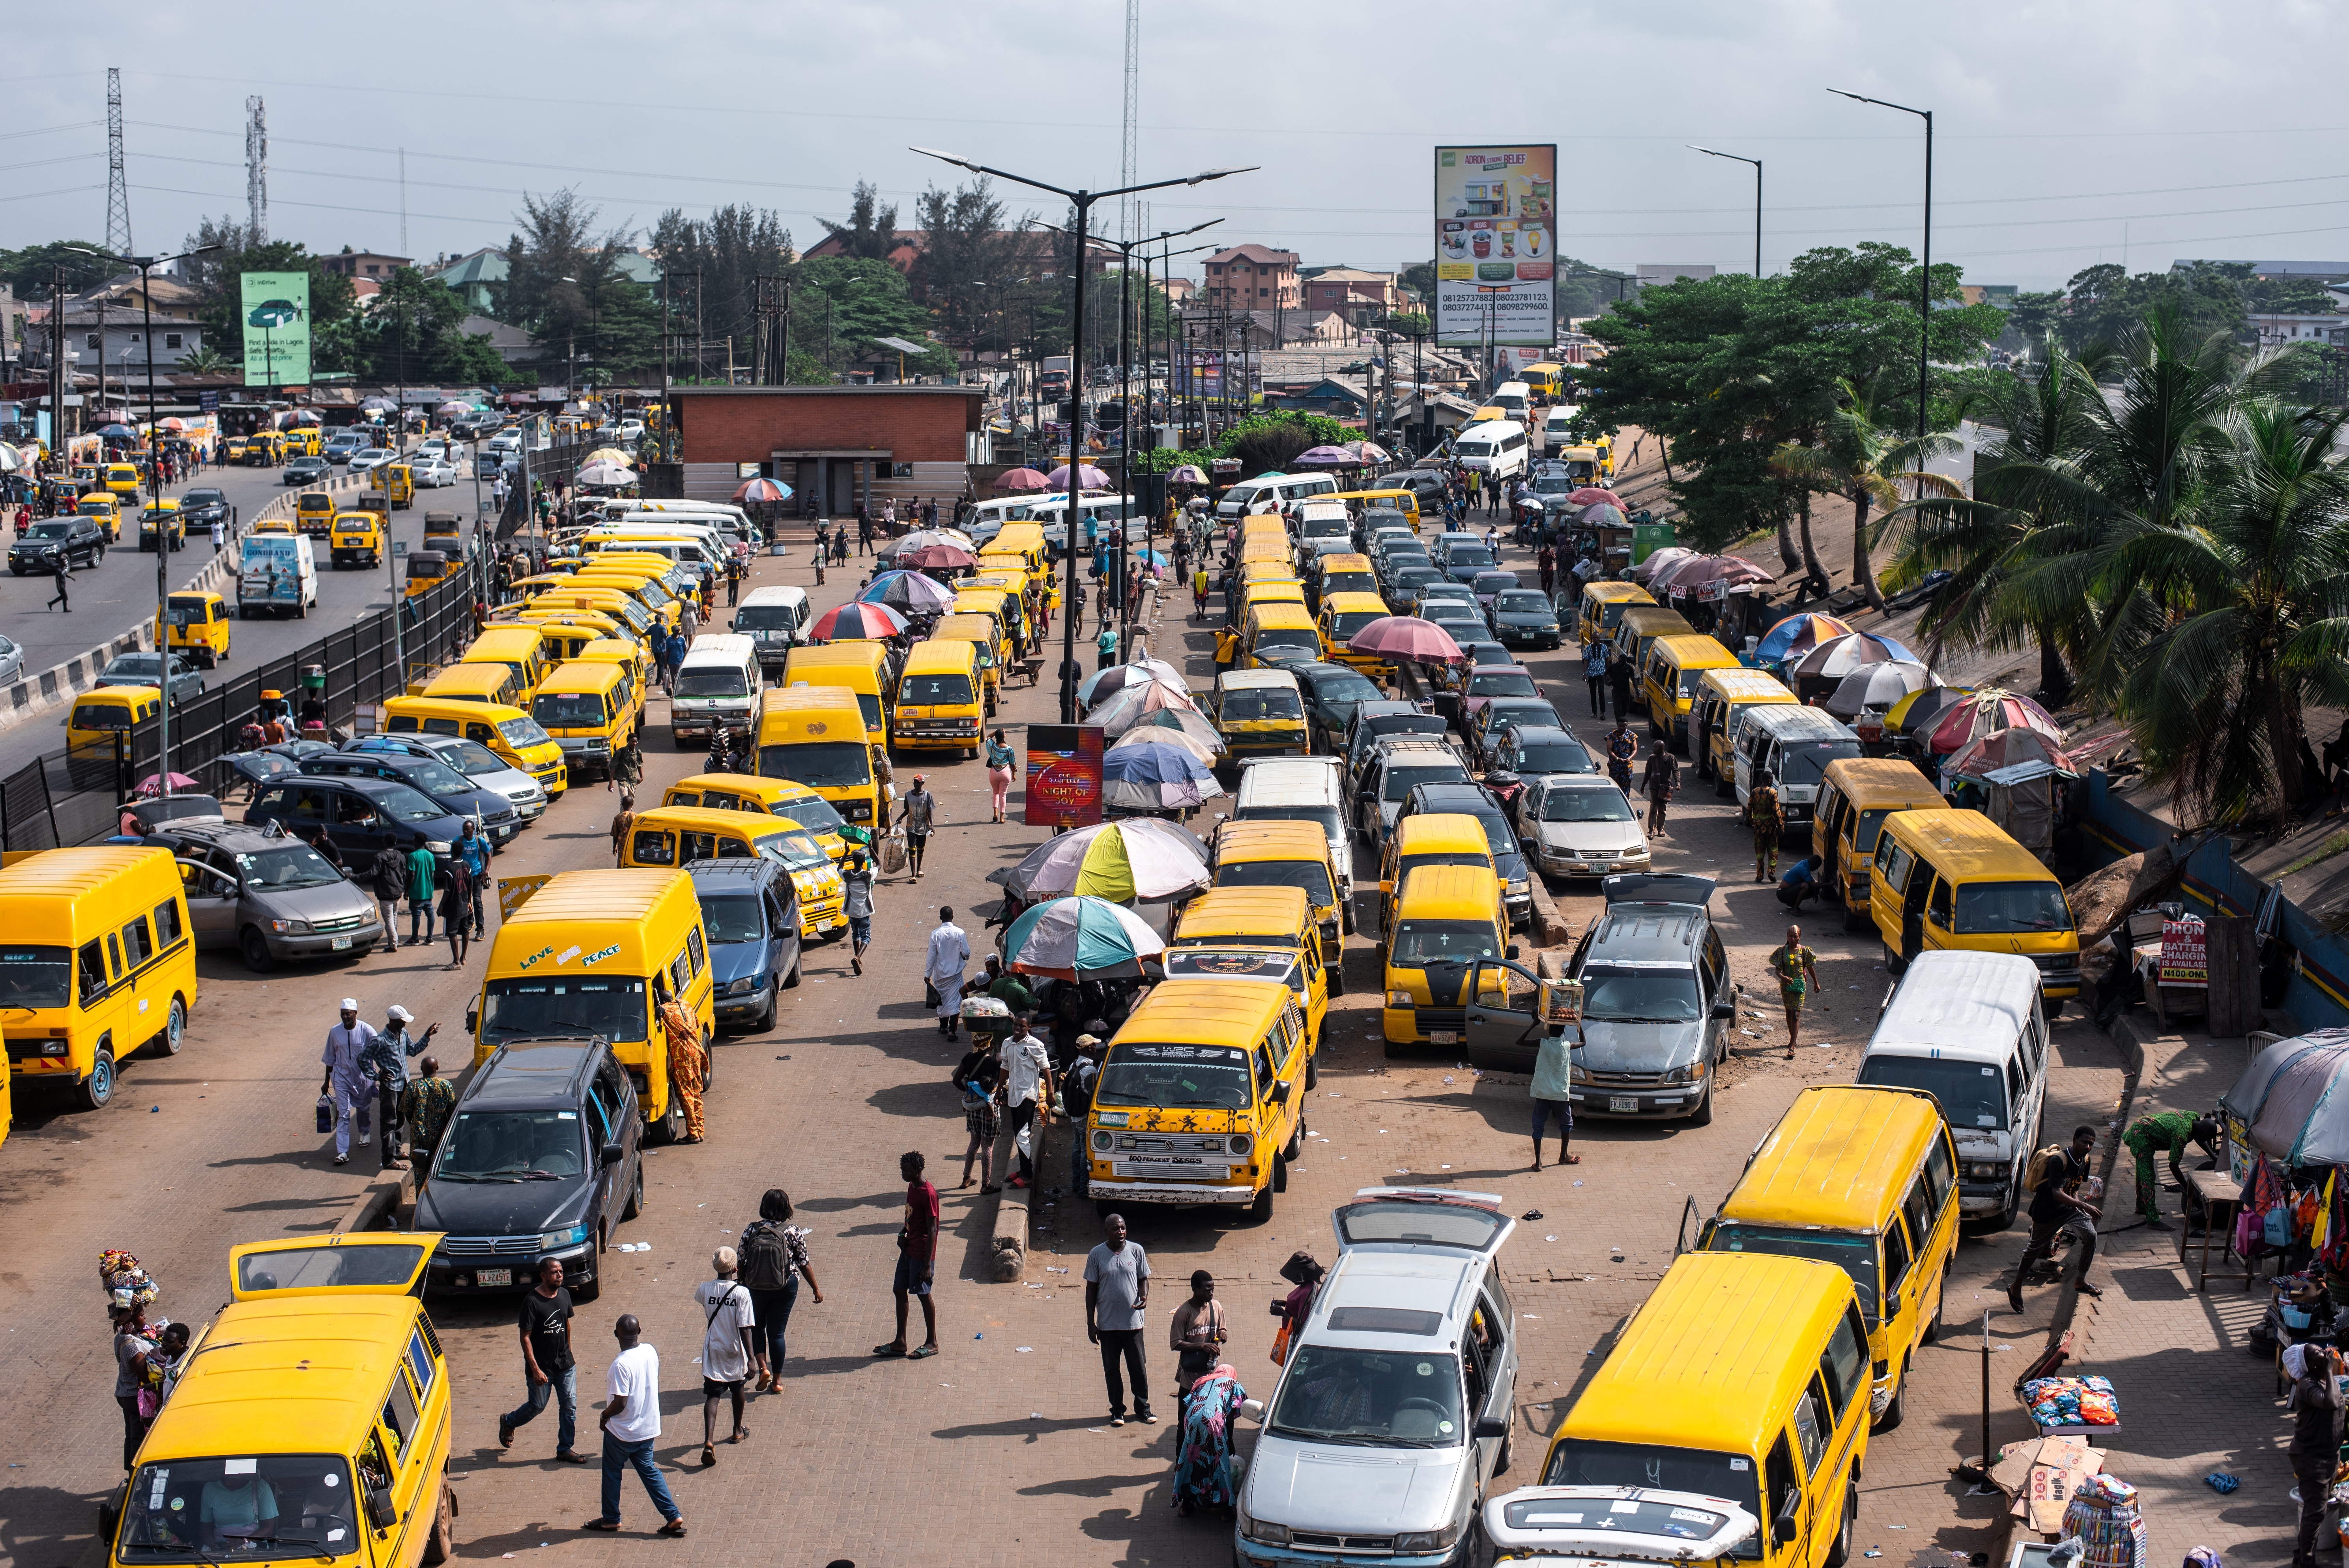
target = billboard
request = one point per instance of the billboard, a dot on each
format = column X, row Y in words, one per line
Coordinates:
column 1496, row 245
column 1065, row 776
column 276, row 310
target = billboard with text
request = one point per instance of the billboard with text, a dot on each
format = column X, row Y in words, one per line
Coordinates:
column 1496, row 245
column 275, row 308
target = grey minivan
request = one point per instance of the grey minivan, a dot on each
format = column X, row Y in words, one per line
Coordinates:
column 270, row 896
column 1657, row 1000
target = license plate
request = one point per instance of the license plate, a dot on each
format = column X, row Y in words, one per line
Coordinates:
column 340, row 943
column 821, row 926
column 1444, row 1036
column 495, row 1276
column 1622, row 1102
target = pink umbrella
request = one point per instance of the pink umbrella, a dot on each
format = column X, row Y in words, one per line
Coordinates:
column 1660, row 561
column 1022, row 480
column 1697, row 570
column 936, row 557
column 1986, row 712
column 1405, row 637
column 1986, row 754
column 1591, row 495
column 1088, row 477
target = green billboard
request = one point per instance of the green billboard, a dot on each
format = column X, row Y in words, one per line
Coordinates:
column 276, row 310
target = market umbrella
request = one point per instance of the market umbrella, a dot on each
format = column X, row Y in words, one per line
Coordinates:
column 1154, row 777
column 1659, row 561
column 1117, row 677
column 1186, row 722
column 1370, row 452
column 1878, row 687
column 1088, row 477
column 453, row 406
column 1919, row 709
column 1840, row 657
column 751, row 492
column 1137, row 703
column 1693, row 571
column 1081, row 938
column 1324, row 458
column 2292, row 1102
column 610, row 455
column 1601, row 517
column 1405, row 637
column 1986, row 754
column 607, row 474
column 855, row 620
column 156, row 784
column 1799, row 635
column 907, row 591
column 1022, row 480
column 377, row 405
column 118, row 430
column 1186, row 474
column 923, row 538
column 936, row 558
column 1986, row 711
column 1136, row 858
column 1155, row 733
column 175, row 424
column 9, row 461
column 1591, row 495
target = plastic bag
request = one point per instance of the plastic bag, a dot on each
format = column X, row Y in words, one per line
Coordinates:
column 325, row 1113
column 2276, row 1226
column 892, row 852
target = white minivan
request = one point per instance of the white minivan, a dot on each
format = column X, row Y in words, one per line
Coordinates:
column 1497, row 448
column 717, row 684
column 1794, row 745
column 1557, row 426
column 1271, row 494
column 1968, row 1028
column 775, row 619
column 1303, row 790
column 1512, row 398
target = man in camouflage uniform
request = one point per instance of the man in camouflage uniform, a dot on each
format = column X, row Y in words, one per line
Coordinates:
column 1768, row 820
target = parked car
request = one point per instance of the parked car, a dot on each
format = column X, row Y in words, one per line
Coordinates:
column 1657, row 1000
column 74, row 541
column 477, row 762
column 1397, row 765
column 369, row 457
column 270, row 897
column 543, row 1157
column 1534, row 751
column 1525, row 618
column 12, row 661
column 308, row 470
column 1461, row 622
column 1463, row 799
column 1332, row 693
column 146, row 669
column 1490, row 585
column 1484, row 683
column 1579, row 825
column 360, row 815
column 1498, row 717
column 751, row 908
column 431, row 777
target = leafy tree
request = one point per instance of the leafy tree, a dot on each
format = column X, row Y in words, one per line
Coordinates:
column 1420, row 279
column 1584, row 290
column 728, row 252
column 1410, row 323
column 32, row 273
column 2288, row 296
column 850, row 302
column 205, row 361
column 565, row 286
column 970, row 252
column 1866, row 461
column 871, row 232
column 215, row 276
column 414, row 333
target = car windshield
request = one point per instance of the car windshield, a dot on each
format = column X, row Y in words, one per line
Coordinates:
column 1522, row 601
column 49, row 531
column 1605, row 805
column 567, row 710
column 282, row 871
column 711, row 680
column 1345, row 687
column 204, row 498
column 1401, row 780
column 794, row 849
column 135, row 666
column 1972, row 1094
column 1344, row 623
column 813, row 812
column 612, row 1005
column 1174, row 1078
column 1235, row 964
column 949, row 691
column 1460, row 556
column 1495, row 581
column 471, row 758
column 522, row 732
column 1502, row 683
column 2012, row 908
column 407, row 805
column 1617, row 995
column 435, row 778
column 33, row 977
column 732, row 917
column 1256, row 703
column 510, row 1146
column 1579, row 1461
column 819, row 764
column 1381, row 1398
column 1854, row 1253
column 1506, row 715
column 1310, row 875
column 241, row 1510
column 766, row 618
column 1871, row 823
column 1418, row 942
column 1803, row 761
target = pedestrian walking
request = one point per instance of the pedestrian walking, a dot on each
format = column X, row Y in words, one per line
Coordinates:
column 731, row 1351
column 1204, row 1475
column 132, row 1341
column 774, row 1260
column 2314, row 1369
column 688, row 1061
column 863, row 530
column 733, row 581
column 917, row 815
column 1619, row 681
column 631, row 1424
column 1106, row 645
column 345, row 1082
column 385, row 1061
column 2170, row 1131
column 220, row 533
column 548, row 1371
column 474, row 850
column 1196, row 1333
column 1547, row 559
column 857, row 886
column 1766, row 819
column 917, row 1259
column 1002, row 767
column 1797, row 969
column 1593, row 675
column 627, row 771
column 1621, row 748
column 423, row 870
column 974, row 1076
column 2060, row 1207
column 1117, row 1307
column 388, row 876
column 949, row 953
column 1660, row 778
column 1553, row 1095
column 424, row 1106
column 63, row 577
column 1024, row 1070
column 456, row 911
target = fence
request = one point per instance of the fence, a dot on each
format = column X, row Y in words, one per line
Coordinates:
column 74, row 796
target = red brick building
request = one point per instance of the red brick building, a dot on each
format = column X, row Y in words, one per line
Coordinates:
column 835, row 446
column 1252, row 277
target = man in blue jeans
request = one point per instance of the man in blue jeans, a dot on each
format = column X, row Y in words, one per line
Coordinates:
column 474, row 850
column 549, row 1370
column 631, row 1425
column 422, row 879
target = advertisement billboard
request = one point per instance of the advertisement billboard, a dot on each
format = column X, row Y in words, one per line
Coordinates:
column 276, row 310
column 1065, row 776
column 1496, row 245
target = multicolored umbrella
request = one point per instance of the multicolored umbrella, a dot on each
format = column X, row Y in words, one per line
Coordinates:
column 1919, row 709
column 1370, row 451
column 1799, row 635
column 907, row 591
column 1117, row 677
column 1156, row 776
column 1188, row 723
column 1022, row 480
column 922, row 538
column 1137, row 703
column 856, row 621
column 1325, row 458
column 1081, row 938
column 1987, row 711
column 610, row 455
column 1405, row 637
column 1600, row 517
column 936, row 558
column 1659, row 561
column 1186, row 474
column 1853, row 651
column 1137, row 858
column 1088, row 477
column 753, row 491
column 1155, row 732
column 1878, row 687
column 1692, row 571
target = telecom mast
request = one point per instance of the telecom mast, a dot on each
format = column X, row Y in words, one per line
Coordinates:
column 117, row 190
column 256, row 171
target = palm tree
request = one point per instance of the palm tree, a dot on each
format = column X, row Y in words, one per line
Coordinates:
column 1864, row 461
column 2255, row 596
column 205, row 361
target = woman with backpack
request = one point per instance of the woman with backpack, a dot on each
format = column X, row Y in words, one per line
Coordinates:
column 774, row 1260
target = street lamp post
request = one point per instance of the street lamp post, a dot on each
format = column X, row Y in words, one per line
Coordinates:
column 1733, row 158
column 1083, row 201
column 1925, row 304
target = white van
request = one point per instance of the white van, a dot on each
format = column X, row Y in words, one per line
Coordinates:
column 775, row 620
column 733, row 516
column 1795, row 745
column 1303, row 790
column 1968, row 1028
column 1278, row 490
column 986, row 520
column 276, row 575
column 1513, row 398
column 1497, row 447
column 1104, row 509
column 717, row 684
column 1557, row 426
column 693, row 547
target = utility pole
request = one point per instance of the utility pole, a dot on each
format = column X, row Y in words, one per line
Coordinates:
column 118, row 188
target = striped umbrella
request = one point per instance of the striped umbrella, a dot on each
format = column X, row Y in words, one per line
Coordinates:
column 761, row 489
column 907, row 591
column 1796, row 635
column 1154, row 777
column 856, row 621
column 1081, row 938
column 1987, row 711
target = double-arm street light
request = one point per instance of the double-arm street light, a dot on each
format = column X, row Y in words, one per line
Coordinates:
column 1083, row 201
column 1733, row 158
column 146, row 265
column 1925, row 304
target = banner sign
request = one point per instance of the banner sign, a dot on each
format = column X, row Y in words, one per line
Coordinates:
column 276, row 310
column 2185, row 953
column 1496, row 245
column 1064, row 775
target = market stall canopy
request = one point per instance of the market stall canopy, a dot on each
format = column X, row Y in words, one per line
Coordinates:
column 1797, row 635
column 1370, row 451
column 1155, row 733
column 1186, row 474
column 1405, row 637
column 907, row 591
column 1088, row 477
column 1325, row 458
column 1117, row 677
column 1189, row 723
column 2293, row 1100
column 1022, row 480
column 1591, row 495
column 1987, row 711
column 611, row 455
column 1918, row 709
column 1140, row 858
column 760, row 489
column 1137, row 703
column 610, row 474
column 1662, row 560
column 1081, row 938
column 1693, row 572
column 1880, row 687
column 922, row 538
column 1853, row 651
column 1156, row 776
column 936, row 558
column 1987, row 755
column 854, row 622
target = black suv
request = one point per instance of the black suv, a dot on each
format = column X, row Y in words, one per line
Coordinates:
column 362, row 816
column 542, row 1159
column 76, row 540
column 204, row 506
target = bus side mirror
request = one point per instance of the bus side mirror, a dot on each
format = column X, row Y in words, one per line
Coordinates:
column 380, row 1511
column 1790, row 1514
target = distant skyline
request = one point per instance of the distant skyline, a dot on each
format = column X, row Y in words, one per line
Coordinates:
column 2061, row 137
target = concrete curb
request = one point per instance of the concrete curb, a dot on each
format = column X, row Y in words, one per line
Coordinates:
column 1551, row 928
column 372, row 1208
column 1014, row 1206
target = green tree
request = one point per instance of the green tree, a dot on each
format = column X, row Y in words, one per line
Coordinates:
column 1865, row 463
column 728, row 253
column 205, row 361
column 414, row 333
column 34, row 272
column 565, row 286
column 215, row 276
column 849, row 302
column 871, row 232
column 2288, row 296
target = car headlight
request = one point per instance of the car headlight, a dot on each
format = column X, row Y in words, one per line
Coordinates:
column 1398, row 998
column 290, row 927
column 1692, row 1073
column 741, row 987
column 1263, row 1533
column 1100, row 1141
column 1239, row 1143
column 1521, row 886
column 1427, row 1539
column 437, row 846
column 570, row 1238
column 1985, row 1170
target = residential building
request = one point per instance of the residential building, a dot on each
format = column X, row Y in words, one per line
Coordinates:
column 1362, row 297
column 514, row 345
column 1252, row 277
column 364, row 263
column 2276, row 330
column 476, row 274
column 1179, row 291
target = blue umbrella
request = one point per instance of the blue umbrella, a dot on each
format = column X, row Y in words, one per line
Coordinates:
column 1799, row 635
column 1151, row 558
column 1081, row 938
column 1154, row 777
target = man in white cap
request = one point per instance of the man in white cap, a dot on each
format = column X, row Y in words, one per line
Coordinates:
column 385, row 1061
column 346, row 1081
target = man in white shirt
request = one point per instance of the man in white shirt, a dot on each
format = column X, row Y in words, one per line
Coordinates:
column 631, row 1425
column 949, row 953
column 729, row 1348
column 1025, row 1071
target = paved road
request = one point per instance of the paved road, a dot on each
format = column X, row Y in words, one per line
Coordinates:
column 999, row 1442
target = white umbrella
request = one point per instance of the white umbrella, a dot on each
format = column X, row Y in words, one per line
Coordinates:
column 1840, row 657
column 1878, row 687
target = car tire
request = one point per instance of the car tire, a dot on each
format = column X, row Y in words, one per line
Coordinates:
column 1854, row 920
column 635, row 1203
column 1896, row 1410
column 443, row 1543
column 1839, row 1553
column 1702, row 1115
column 1501, row 1459
column 173, row 1037
column 1295, row 1146
column 97, row 557
column 1313, row 1063
column 590, row 1290
column 1261, row 1211
column 766, row 1020
column 254, row 948
column 1941, row 1301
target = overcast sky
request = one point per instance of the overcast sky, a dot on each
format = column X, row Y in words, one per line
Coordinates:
column 2065, row 134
